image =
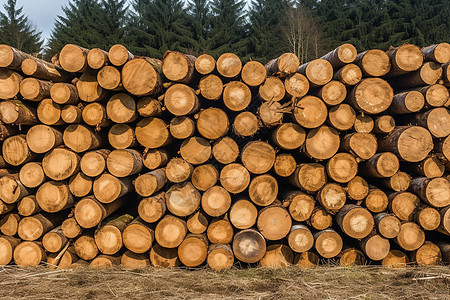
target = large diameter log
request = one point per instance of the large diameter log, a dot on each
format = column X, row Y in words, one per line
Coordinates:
column 80, row 184
column 70, row 228
column 71, row 114
column 152, row 133
column 108, row 188
column 272, row 89
column 121, row 136
column 178, row 170
column 138, row 236
column 322, row 142
column 310, row 112
column 60, row 163
column 253, row 73
column 88, row 88
column 246, row 124
column 371, row 96
column 121, row 108
column 342, row 55
column 29, row 254
column 153, row 208
column 328, row 243
column 178, row 67
column 332, row 197
column 258, row 157
column 428, row 254
column 300, row 205
column 93, row 163
column 64, row 93
column 436, row 95
column 357, row 188
column 34, row 227
column 54, row 240
column 342, row 167
column 212, row 123
column 405, row 58
column 407, row 102
column 205, row 64
column 197, row 223
column 284, row 165
column 108, row 237
column 409, row 143
column 109, row 78
column 118, row 55
column 54, row 196
column 373, row 63
column 263, row 190
column 34, row 89
column 42, row 138
column 73, row 58
column 195, row 150
column 183, row 199
column 124, row 162
column 270, row 113
column 342, row 117
column 349, row 74
column 243, row 214
column 429, row 73
column 434, row 191
column 274, row 222
column 436, row 120
column 12, row 189
column 404, row 205
column 249, row 246
column 438, row 52
column 182, row 127
column 28, row 206
column 381, row 165
column 154, row 159
column 300, row 238
column 15, row 150
column 85, row 246
column 235, row 178
column 355, row 221
column 237, row 96
column 9, row 224
column 363, row 145
column 7, row 246
column 170, row 231
column 148, row 183
column 94, row 114
column 375, row 247
column 97, row 58
column 11, row 57
column 411, row 236
column 49, row 112
column 225, row 150
column 211, row 87
column 9, row 84
column 164, row 257
column 220, row 257
column 296, row 85
column 220, row 231
column 140, row 76
column 428, row 218
column 363, row 124
column 398, row 182
column 309, row 177
column 216, row 201
column 376, row 200
column 229, row 65
column 204, row 177
column 81, row 138
column 277, row 256
column 131, row 260
column 32, row 175
column 284, row 65
column 387, row 225
column 89, row 212
column 319, row 72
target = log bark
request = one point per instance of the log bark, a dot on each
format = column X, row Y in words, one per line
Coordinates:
column 283, row 65
column 429, row 167
column 384, row 124
column 435, row 95
column 108, row 188
column 108, row 237
column 398, row 182
column 439, row 53
column 429, row 73
column 182, row 199
column 153, row 208
column 138, row 236
column 249, row 246
column 212, row 123
column 179, row 67
column 243, row 214
column 436, row 120
column 342, row 55
column 229, row 65
column 381, row 165
column 407, row 102
column 11, row 57
column 236, row 96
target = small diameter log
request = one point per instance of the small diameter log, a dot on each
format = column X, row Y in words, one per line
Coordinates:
column 384, row 124
column 94, row 114
column 352, row 257
column 445, row 221
column 285, row 64
column 93, row 163
column 349, row 74
column 381, row 165
column 105, row 261
column 148, row 183
column 181, row 100
column 182, row 127
column 12, row 189
column 253, row 73
column 300, row 205
column 355, row 221
column 54, row 240
column 332, row 93
column 398, row 182
column 28, row 206
column 42, row 138
column 124, row 162
column 118, row 55
column 197, row 223
column 225, row 150
column 296, row 85
column 270, row 113
column 193, row 251
column 138, row 236
column 149, row 80
column 328, row 243
column 220, row 257
column 97, row 58
column 309, row 177
column 109, row 78
column 435, row 192
column 108, row 188
column 411, row 236
column 220, row 231
column 375, row 247
column 149, row 107
column 438, row 52
column 258, row 157
column 436, row 120
column 371, row 96
column 300, row 238
column 373, row 63
column 363, row 124
column 216, row 201
column 205, row 64
column 429, row 167
column 73, row 58
column 29, row 254
column 319, row 72
column 306, row 260
column 246, row 124
column 152, row 133
column 89, row 212
column 54, row 196
column 7, row 246
column 153, row 208
column 11, row 57
column 405, row 58
column 342, row 167
column 121, row 108
column 211, row 87
column 363, row 145
column 131, row 260
column 249, row 246
column 15, row 150
column 236, row 96
column 395, row 259
column 332, row 197
column 272, row 89
column 342, row 55
column 428, row 218
column 182, row 199
column 64, row 93
column 357, row 188
column 34, row 89
column 195, row 150
column 263, row 190
column 49, row 113
column 404, row 205
column 407, row 102
column 429, row 73
column 9, row 224
column 428, row 254
column 60, row 163
column 284, row 165
column 310, row 112
column 178, row 67
column 70, row 228
column 342, row 117
column 34, row 227
column 80, row 185
column 81, row 138
column 436, row 95
column 108, row 237
column 277, row 256
column 243, row 214
column 204, row 177
column 322, row 142
column 164, row 257
column 170, row 231
column 212, row 123
column 376, row 201
column 32, row 175
column 229, row 65
column 235, row 178
column 274, row 222
column 71, row 114
column 387, row 225
column 154, row 159
column 178, row 170
column 9, row 84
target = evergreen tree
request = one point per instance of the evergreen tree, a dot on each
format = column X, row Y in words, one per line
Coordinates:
column 200, row 19
column 114, row 19
column 16, row 30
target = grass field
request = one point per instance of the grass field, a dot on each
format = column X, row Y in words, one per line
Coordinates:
column 256, row 283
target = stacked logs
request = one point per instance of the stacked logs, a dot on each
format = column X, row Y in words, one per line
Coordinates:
column 114, row 159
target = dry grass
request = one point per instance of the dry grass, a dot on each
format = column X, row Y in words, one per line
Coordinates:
column 256, row 283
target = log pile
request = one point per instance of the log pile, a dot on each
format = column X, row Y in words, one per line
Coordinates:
column 112, row 159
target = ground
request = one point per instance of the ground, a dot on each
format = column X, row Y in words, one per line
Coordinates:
column 256, row 283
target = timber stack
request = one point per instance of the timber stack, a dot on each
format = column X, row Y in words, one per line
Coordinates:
column 112, row 159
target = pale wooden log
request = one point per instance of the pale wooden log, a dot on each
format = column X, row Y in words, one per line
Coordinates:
column 205, row 64
column 70, row 228
column 263, row 190
column 284, row 165
column 407, row 102
column 300, row 238
column 296, row 85
column 363, row 124
column 95, row 115
column 384, row 124
column 357, row 188
column 118, row 55
column 236, row 96
column 182, row 199
column 15, row 150
column 60, row 163
column 428, row 218
column 284, row 65
column 32, row 175
column 429, row 167
column 34, row 89
column 170, row 231
column 9, row 224
column 328, row 243
column 34, row 227
column 54, row 196
column 64, row 261
column 138, row 236
column 381, row 165
column 28, row 206
column 85, row 246
column 178, row 67
column 81, row 138
column 270, row 215
column 93, row 163
column 438, row 52
column 249, row 246
column 405, row 58
column 131, row 260
column 71, row 114
column 108, row 188
column 11, row 57
column 211, row 87
column 322, row 142
column 97, row 58
column 124, row 162
column 342, row 167
column 220, row 231
column 428, row 254
column 204, row 177
column 197, row 223
column 270, row 113
column 89, row 212
column 404, row 205
column 258, row 157
column 148, row 82
column 12, row 189
column 253, row 73
column 220, row 257
column 73, row 58
column 216, row 201
column 164, row 257
column 341, row 117
column 373, row 62
column 300, row 205
column 435, row 192
column 88, row 88
column 121, row 108
column 64, row 93
column 310, row 112
column 332, row 197
column 7, row 246
column 105, row 261
column 9, row 84
column 54, row 240
column 193, row 251
column 225, row 150
column 355, row 221
column 411, row 236
column 375, row 247
column 42, row 138
column 398, row 182
column 349, row 74
column 121, row 136
column 49, row 112
column 195, row 150
column 108, row 237
column 320, row 218
column 182, row 127
column 229, row 65
column 352, row 257
column 212, row 123
column 235, row 178
column 148, row 183
column 371, row 96
column 153, row 208
column 319, row 72
column 277, row 256
column 243, row 214
column 387, row 225
column 309, row 177
column 306, row 260
column 429, row 73
column 272, row 89
column 155, row 158
column 342, row 55
column 178, row 170
column 29, row 254
column 148, row 107
column 363, row 145
column 332, row 93
column 152, row 133
column 246, row 124
column 435, row 95
column 376, row 200
column 80, row 185
column 436, row 120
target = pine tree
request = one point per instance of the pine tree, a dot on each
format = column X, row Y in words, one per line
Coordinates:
column 114, row 19
column 200, row 19
column 16, row 30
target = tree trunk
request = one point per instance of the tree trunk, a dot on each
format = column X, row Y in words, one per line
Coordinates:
column 9, row 83
column 205, row 64
column 438, row 52
column 363, row 124
column 284, row 165
column 93, row 163
column 121, row 108
column 42, row 138
column 435, row 95
column 29, row 254
column 81, row 138
column 376, row 201
column 149, row 80
column 97, row 58
column 306, row 260
column 108, row 237
column 235, row 178
column 216, row 201
column 12, row 189
column 236, row 96
column 430, row 167
column 270, row 113
column 310, row 112
column 349, row 74
column 32, row 175
column 381, row 165
column 258, row 157
column 277, row 256
column 152, row 133
column 149, row 183
column 182, row 199
column 49, row 113
column 11, row 57
column 80, row 185
column 309, row 177
column 274, row 222
column 34, row 227
column 225, row 150
column 73, row 58
column 178, row 67
column 89, row 212
column 436, row 120
column 182, row 127
column 320, row 218
column 300, row 238
column 428, row 218
column 319, row 72
column 332, row 197
column 342, row 55
column 243, row 214
column 89, row 89
column 220, row 231
column 272, row 89
column 407, row 102
column 204, row 177
column 404, row 59
column 283, row 65
column 322, row 142
column 7, row 245
column 398, row 182
column 332, row 93
column 178, row 170
column 108, row 188
column 428, row 254
column 130, row 260
column 429, row 73
column 138, row 236
column 220, row 257
column 373, row 63
column 54, row 240
column 229, row 65
column 212, row 123
column 352, row 257
column 118, row 55
column 106, row 261
column 384, row 124
column 435, row 192
column 387, row 225
column 54, row 196
column 371, row 96
column 170, row 231
column 94, row 114
column 249, row 246
column 328, row 243
column 153, row 208
column 34, row 89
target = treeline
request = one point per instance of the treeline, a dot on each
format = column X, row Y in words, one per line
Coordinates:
column 261, row 30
